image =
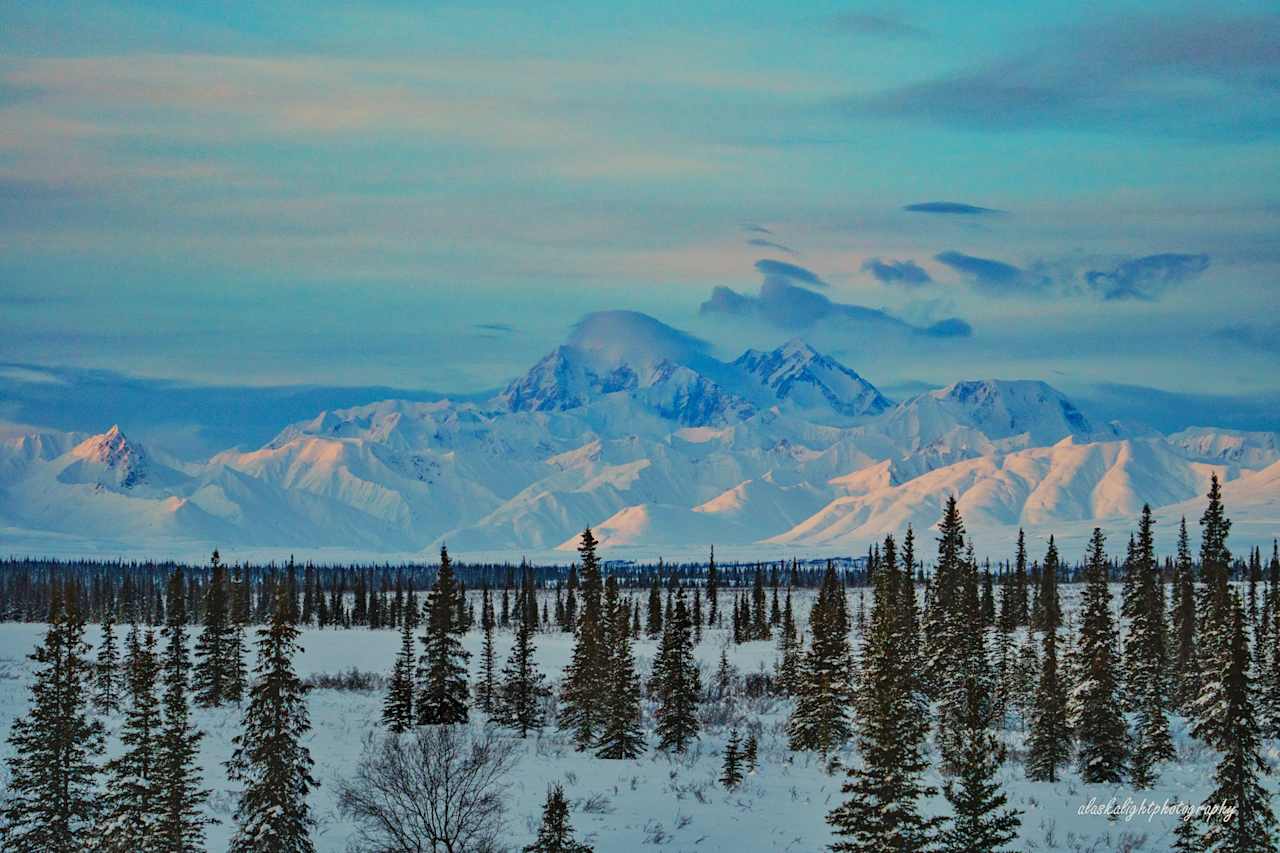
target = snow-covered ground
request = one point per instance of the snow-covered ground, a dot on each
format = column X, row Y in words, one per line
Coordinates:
column 666, row 802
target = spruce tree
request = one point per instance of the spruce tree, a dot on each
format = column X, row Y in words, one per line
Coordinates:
column 881, row 809
column 1096, row 699
column 581, row 711
column 1147, row 658
column 397, row 708
column 621, row 735
column 212, row 676
column 522, row 686
column 441, row 697
column 555, row 835
column 181, row 823
column 237, row 670
column 270, row 758
column 51, row 804
column 487, row 692
column 1186, row 674
column 106, row 695
column 1021, row 610
column 1252, row 827
column 132, row 798
column 713, row 588
column 676, row 682
column 654, row 611
column 820, row 720
column 981, row 821
column 1213, row 619
column 1049, row 745
column 731, row 770
column 751, row 753
column 1269, row 682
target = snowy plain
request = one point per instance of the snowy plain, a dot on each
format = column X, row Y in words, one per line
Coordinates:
column 656, row 802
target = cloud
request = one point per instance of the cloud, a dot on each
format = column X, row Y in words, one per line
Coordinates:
column 502, row 328
column 769, row 244
column 1170, row 411
column 1203, row 73
column 1145, row 278
column 786, row 306
column 791, row 272
column 1263, row 337
column 950, row 207
column 863, row 24
column 755, row 229
column 990, row 275
column 907, row 273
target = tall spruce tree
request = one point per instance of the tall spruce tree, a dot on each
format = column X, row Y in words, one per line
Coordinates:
column 1252, row 826
column 212, row 676
column 240, row 606
column 397, row 708
column 713, row 588
column 981, row 821
column 441, row 697
column 621, row 735
column 1213, row 624
column 581, row 712
column 488, row 687
column 942, row 624
column 106, row 694
column 881, row 810
column 1021, row 610
column 1096, row 699
column 1049, row 745
column 676, row 682
column 131, row 802
column 51, row 804
column 270, row 758
column 182, row 821
column 522, row 685
column 1186, row 673
column 820, row 720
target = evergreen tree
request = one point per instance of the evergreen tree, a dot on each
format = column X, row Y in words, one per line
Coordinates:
column 581, row 711
column 1096, row 700
column 1252, row 827
column 270, row 757
column 789, row 651
column 820, row 720
column 522, row 687
column 1021, row 609
column 881, row 810
column 731, row 772
column 751, row 753
column 106, row 695
column 397, row 708
column 488, row 664
column 212, row 676
column 132, row 798
column 1186, row 836
column 654, row 624
column 1213, row 619
column 1049, row 746
column 181, row 823
column 980, row 823
column 621, row 735
column 555, row 835
column 1186, row 674
column 713, row 588
column 1269, row 684
column 442, row 669
column 676, row 682
column 51, row 805
column 943, row 623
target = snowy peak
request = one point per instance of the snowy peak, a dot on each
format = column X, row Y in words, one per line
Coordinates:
column 109, row 460
column 796, row 371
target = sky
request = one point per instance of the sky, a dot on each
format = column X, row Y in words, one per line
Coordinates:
column 400, row 195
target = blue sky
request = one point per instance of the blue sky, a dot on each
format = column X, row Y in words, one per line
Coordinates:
column 429, row 196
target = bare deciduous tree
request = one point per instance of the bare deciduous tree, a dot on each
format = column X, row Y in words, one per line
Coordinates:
column 437, row 789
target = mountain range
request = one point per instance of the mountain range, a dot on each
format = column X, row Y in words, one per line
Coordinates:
column 636, row 429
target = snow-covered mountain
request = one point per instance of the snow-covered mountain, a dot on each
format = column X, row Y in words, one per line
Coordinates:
column 638, row 430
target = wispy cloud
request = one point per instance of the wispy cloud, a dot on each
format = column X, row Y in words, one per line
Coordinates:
column 770, row 268
column 770, row 244
column 888, row 271
column 1186, row 74
column 1146, row 278
column 867, row 24
column 954, row 208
